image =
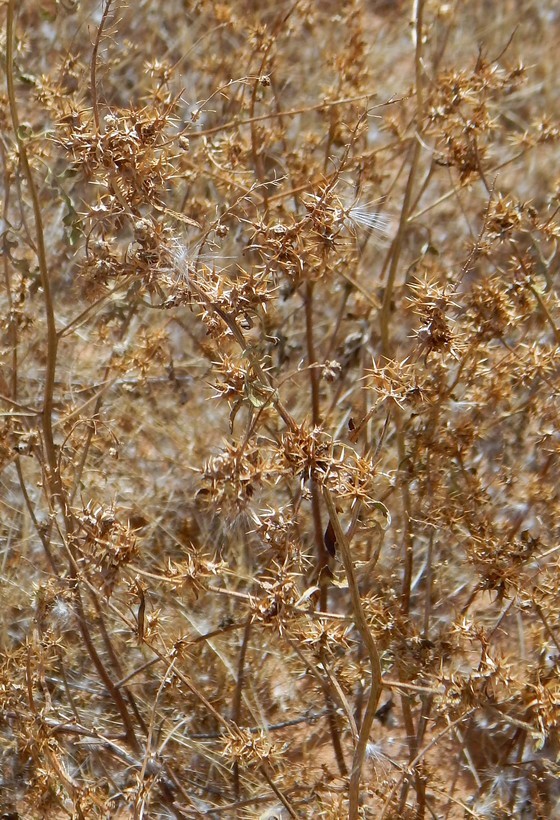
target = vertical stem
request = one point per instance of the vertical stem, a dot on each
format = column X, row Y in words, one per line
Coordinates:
column 53, row 478
column 13, row 329
column 408, row 539
column 93, row 65
column 322, row 554
column 236, row 704
column 412, row 740
column 418, row 22
column 429, row 581
column 371, row 648
column 311, row 357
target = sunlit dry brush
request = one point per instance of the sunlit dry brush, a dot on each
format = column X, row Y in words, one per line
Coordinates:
column 279, row 390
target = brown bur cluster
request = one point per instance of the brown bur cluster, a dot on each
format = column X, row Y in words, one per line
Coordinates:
column 279, row 405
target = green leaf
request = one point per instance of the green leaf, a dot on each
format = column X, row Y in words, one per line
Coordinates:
column 24, row 132
column 381, row 514
column 257, row 393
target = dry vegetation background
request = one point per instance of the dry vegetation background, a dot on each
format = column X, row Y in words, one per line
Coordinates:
column 279, row 409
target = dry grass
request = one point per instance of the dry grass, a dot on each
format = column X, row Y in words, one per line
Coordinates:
column 279, row 409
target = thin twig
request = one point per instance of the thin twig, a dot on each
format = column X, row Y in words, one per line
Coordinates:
column 371, row 648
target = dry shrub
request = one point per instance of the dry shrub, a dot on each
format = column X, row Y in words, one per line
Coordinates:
column 279, row 389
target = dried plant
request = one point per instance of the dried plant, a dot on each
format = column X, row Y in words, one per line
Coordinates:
column 279, row 400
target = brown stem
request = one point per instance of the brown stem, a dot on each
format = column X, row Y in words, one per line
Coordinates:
column 408, row 539
column 93, row 66
column 311, row 357
column 283, row 799
column 413, row 755
column 236, row 703
column 53, row 476
column 103, row 674
column 330, row 712
column 396, row 247
column 371, row 648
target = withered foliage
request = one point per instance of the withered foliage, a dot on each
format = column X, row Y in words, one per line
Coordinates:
column 279, row 391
